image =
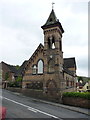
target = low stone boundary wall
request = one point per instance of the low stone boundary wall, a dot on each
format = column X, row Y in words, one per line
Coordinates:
column 79, row 102
column 18, row 90
column 38, row 94
column 27, row 92
column 33, row 93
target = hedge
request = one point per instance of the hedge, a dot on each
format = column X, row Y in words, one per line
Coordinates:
column 85, row 95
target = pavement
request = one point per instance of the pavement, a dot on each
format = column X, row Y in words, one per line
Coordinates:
column 76, row 109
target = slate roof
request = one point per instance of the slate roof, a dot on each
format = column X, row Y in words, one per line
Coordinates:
column 68, row 71
column 20, row 70
column 52, row 21
column 81, row 84
column 52, row 18
column 11, row 67
column 14, row 70
column 70, row 62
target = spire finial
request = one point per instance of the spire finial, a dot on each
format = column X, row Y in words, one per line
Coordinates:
column 53, row 5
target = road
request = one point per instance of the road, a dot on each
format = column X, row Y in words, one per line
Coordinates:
column 19, row 106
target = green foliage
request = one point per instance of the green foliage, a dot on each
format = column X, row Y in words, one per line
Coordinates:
column 17, row 67
column 88, row 79
column 19, row 79
column 80, row 78
column 85, row 95
column 16, row 83
column 6, row 76
column 11, row 84
column 84, row 79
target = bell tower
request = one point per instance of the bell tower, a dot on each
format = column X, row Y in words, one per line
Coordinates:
column 53, row 55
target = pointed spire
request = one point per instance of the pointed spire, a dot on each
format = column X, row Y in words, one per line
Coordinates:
column 52, row 18
column 52, row 21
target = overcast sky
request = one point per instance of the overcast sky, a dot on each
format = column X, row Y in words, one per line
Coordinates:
column 21, row 33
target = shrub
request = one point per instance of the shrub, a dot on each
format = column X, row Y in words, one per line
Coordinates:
column 14, row 84
column 85, row 95
column 6, row 75
column 10, row 84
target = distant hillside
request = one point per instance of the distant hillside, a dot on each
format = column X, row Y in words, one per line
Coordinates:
column 84, row 79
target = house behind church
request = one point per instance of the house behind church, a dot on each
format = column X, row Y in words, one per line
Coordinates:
column 8, row 74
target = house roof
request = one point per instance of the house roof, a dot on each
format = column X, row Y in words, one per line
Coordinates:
column 14, row 70
column 11, row 67
column 70, row 62
column 68, row 71
column 81, row 84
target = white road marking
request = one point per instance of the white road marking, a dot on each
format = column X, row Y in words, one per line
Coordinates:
column 33, row 110
column 30, row 108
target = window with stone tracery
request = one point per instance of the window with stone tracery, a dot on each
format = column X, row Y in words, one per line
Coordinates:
column 34, row 69
column 40, row 67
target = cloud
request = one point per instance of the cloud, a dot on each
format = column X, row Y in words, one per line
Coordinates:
column 21, row 33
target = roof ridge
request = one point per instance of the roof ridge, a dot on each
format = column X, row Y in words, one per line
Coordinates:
column 69, row 58
column 35, row 52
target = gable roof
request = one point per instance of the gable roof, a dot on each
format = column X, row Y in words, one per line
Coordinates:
column 34, row 54
column 70, row 62
column 10, row 67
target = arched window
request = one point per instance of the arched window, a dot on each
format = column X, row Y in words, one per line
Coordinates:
column 51, row 42
column 34, row 69
column 40, row 67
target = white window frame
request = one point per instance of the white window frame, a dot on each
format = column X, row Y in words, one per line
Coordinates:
column 40, row 66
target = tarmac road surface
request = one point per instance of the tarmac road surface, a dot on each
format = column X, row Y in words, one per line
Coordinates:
column 19, row 106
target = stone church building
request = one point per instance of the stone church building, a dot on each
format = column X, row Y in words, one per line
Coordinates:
column 47, row 68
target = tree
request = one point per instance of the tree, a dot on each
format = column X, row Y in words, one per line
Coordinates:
column 17, row 67
column 80, row 78
column 18, row 82
column 6, row 75
column 19, row 79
